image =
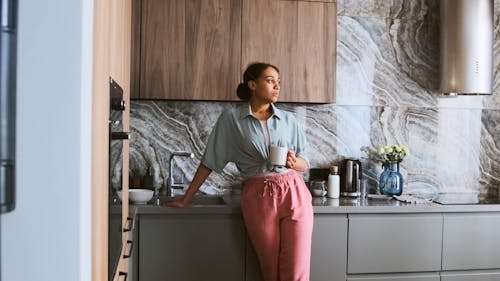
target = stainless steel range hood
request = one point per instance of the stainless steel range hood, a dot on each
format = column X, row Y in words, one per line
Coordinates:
column 466, row 47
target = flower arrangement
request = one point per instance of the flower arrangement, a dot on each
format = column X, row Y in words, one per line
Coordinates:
column 392, row 153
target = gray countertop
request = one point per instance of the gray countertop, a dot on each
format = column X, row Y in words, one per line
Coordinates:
column 327, row 206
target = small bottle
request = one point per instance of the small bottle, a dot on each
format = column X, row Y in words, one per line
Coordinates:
column 333, row 190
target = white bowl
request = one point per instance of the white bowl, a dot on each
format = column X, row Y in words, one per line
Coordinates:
column 318, row 192
column 137, row 195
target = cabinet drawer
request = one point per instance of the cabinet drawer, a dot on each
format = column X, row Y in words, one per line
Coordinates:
column 394, row 243
column 471, row 241
column 468, row 276
column 397, row 277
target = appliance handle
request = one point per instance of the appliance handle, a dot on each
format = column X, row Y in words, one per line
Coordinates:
column 356, row 176
column 120, row 135
column 131, row 243
column 124, row 274
column 129, row 226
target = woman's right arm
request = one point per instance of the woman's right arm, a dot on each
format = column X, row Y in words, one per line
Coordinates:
column 199, row 178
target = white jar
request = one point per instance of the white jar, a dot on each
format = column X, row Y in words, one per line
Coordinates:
column 333, row 189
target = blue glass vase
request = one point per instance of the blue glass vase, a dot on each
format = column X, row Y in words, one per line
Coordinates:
column 391, row 181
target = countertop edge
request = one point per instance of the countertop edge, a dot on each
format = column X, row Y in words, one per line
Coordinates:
column 389, row 207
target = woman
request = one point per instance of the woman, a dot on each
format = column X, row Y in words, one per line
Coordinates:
column 276, row 205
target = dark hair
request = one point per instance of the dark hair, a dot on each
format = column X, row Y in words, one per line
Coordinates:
column 253, row 71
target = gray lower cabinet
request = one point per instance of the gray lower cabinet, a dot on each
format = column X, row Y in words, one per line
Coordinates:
column 252, row 269
column 471, row 241
column 191, row 247
column 328, row 253
column 364, row 247
column 471, row 276
column 386, row 243
column 397, row 277
column 329, row 247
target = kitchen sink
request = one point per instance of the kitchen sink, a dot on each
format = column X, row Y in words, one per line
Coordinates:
column 208, row 200
column 200, row 200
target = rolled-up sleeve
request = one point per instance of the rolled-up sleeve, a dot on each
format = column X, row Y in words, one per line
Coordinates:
column 301, row 145
column 219, row 147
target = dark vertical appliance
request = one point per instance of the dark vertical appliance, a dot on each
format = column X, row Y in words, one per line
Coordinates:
column 350, row 181
column 8, row 69
column 116, row 136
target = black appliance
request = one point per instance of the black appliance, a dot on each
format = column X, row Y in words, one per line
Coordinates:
column 350, row 179
column 116, row 137
column 8, row 69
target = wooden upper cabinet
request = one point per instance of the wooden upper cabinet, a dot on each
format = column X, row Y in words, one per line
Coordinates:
column 298, row 37
column 198, row 49
column 325, row 1
column 187, row 50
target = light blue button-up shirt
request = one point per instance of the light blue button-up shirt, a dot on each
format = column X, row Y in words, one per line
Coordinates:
column 238, row 137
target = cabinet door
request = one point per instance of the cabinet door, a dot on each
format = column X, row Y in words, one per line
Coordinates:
column 471, row 241
column 189, row 50
column 328, row 253
column 300, row 39
column 394, row 243
column 329, row 247
column 398, row 277
column 191, row 247
column 252, row 267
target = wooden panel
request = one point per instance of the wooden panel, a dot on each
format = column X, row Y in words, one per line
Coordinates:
column 111, row 51
column 471, row 241
column 120, row 63
column 100, row 115
column 300, row 39
column 162, row 48
column 190, row 49
column 135, row 63
column 323, row 1
column 408, row 243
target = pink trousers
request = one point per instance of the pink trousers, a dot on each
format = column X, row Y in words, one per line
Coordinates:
column 278, row 215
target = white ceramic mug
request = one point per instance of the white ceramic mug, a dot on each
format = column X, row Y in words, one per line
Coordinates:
column 277, row 155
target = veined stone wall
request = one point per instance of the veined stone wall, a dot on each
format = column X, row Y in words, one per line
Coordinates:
column 387, row 93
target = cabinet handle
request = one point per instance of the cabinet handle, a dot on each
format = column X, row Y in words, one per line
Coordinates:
column 124, row 274
column 129, row 226
column 131, row 243
column 120, row 136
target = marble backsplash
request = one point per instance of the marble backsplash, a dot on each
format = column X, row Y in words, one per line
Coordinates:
column 387, row 93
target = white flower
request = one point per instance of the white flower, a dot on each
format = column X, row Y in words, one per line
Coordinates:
column 392, row 153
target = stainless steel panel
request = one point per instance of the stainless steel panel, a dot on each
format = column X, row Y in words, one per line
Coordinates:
column 466, row 46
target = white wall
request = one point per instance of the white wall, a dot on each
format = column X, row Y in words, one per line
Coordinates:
column 47, row 236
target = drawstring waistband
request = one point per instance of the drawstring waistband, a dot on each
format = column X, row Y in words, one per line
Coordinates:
column 270, row 186
column 273, row 184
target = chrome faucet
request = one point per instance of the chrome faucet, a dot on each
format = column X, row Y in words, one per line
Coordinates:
column 171, row 181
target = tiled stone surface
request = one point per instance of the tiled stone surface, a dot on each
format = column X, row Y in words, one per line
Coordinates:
column 387, row 93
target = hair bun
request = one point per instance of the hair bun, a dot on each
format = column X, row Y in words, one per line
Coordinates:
column 243, row 91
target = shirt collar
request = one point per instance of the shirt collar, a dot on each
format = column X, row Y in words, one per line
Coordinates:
column 246, row 111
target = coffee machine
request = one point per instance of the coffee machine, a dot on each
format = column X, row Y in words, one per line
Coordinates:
column 350, row 179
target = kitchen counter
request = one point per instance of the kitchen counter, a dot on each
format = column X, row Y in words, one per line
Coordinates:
column 439, row 240
column 324, row 205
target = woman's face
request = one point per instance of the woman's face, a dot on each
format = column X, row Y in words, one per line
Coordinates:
column 266, row 88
